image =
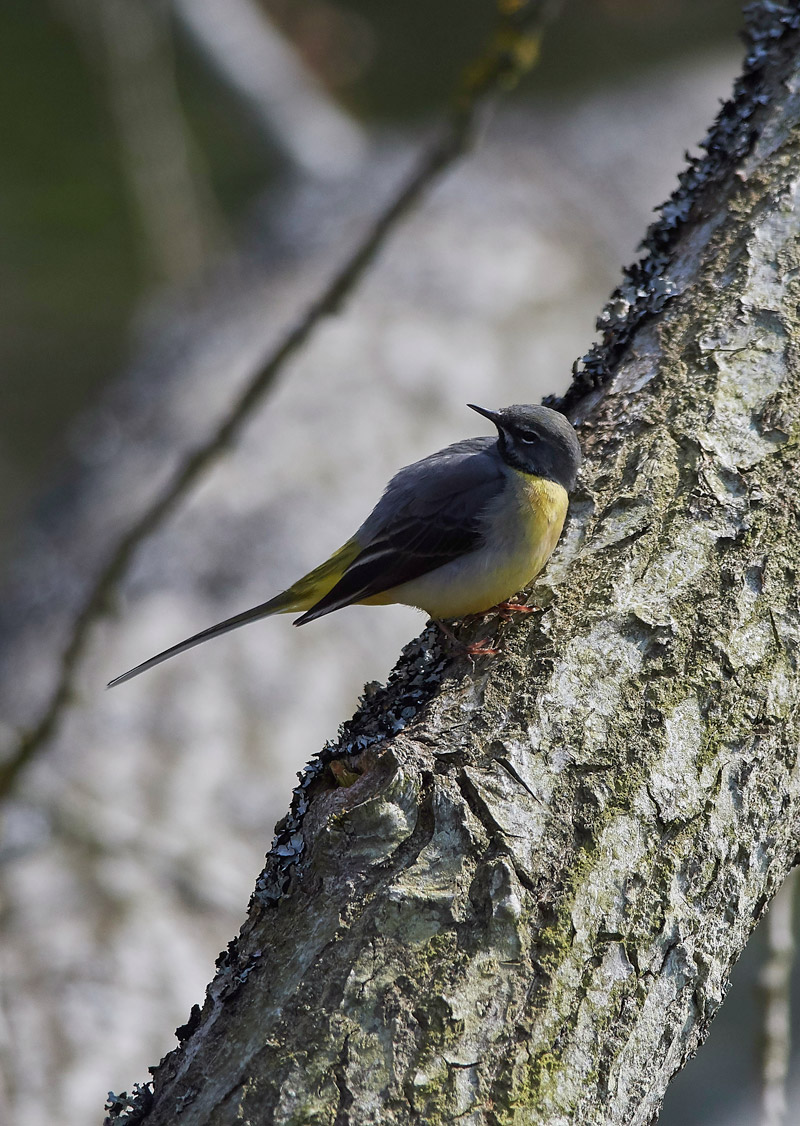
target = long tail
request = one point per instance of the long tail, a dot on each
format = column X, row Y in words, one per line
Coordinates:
column 274, row 606
column 300, row 596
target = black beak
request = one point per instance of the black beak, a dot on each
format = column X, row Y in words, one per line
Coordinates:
column 493, row 416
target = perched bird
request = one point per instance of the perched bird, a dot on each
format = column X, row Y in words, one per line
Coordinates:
column 454, row 534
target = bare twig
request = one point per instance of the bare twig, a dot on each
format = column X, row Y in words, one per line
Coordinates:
column 512, row 51
column 776, row 982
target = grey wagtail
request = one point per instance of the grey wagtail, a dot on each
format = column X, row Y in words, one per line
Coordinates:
column 454, row 534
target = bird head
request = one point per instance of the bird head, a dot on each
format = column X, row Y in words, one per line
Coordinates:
column 536, row 440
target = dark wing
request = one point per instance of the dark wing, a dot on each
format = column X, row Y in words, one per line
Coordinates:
column 430, row 514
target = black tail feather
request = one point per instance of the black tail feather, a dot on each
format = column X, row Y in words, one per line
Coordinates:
column 274, row 606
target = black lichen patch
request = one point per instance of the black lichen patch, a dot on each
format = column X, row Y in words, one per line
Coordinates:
column 184, row 1031
column 770, row 34
column 383, row 711
column 234, row 966
column 129, row 1109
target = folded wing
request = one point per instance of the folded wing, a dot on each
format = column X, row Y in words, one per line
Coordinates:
column 430, row 514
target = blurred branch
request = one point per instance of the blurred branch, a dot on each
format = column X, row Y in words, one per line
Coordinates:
column 283, row 98
column 176, row 208
column 511, row 52
column 776, row 980
column 130, row 42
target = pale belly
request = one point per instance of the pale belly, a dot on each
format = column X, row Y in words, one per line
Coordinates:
column 520, row 539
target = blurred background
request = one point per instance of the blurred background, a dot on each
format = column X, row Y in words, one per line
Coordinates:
column 179, row 179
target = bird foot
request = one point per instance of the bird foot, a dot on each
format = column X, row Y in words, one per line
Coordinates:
column 482, row 648
column 506, row 610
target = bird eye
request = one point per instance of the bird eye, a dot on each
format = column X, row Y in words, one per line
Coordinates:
column 526, row 437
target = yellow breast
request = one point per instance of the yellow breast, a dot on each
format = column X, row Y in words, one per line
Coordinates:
column 521, row 531
column 544, row 505
column 522, row 535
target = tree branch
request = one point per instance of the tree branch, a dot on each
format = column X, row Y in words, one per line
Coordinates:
column 278, row 92
column 169, row 189
column 512, row 51
column 527, row 905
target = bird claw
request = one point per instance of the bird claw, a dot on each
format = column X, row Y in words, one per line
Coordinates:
column 506, row 610
column 482, row 648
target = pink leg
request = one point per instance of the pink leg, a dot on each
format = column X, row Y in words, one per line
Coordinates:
column 506, row 610
column 481, row 648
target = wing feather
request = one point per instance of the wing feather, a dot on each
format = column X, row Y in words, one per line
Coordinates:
column 430, row 514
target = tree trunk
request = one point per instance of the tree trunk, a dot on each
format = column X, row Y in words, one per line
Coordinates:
column 520, row 896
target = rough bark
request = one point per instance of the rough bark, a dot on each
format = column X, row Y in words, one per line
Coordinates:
column 520, row 896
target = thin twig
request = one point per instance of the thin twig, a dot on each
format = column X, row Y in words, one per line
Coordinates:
column 512, row 51
column 776, row 985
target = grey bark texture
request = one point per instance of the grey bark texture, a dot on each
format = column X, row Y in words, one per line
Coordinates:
column 519, row 896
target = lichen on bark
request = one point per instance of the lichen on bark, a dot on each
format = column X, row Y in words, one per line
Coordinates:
column 526, row 907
